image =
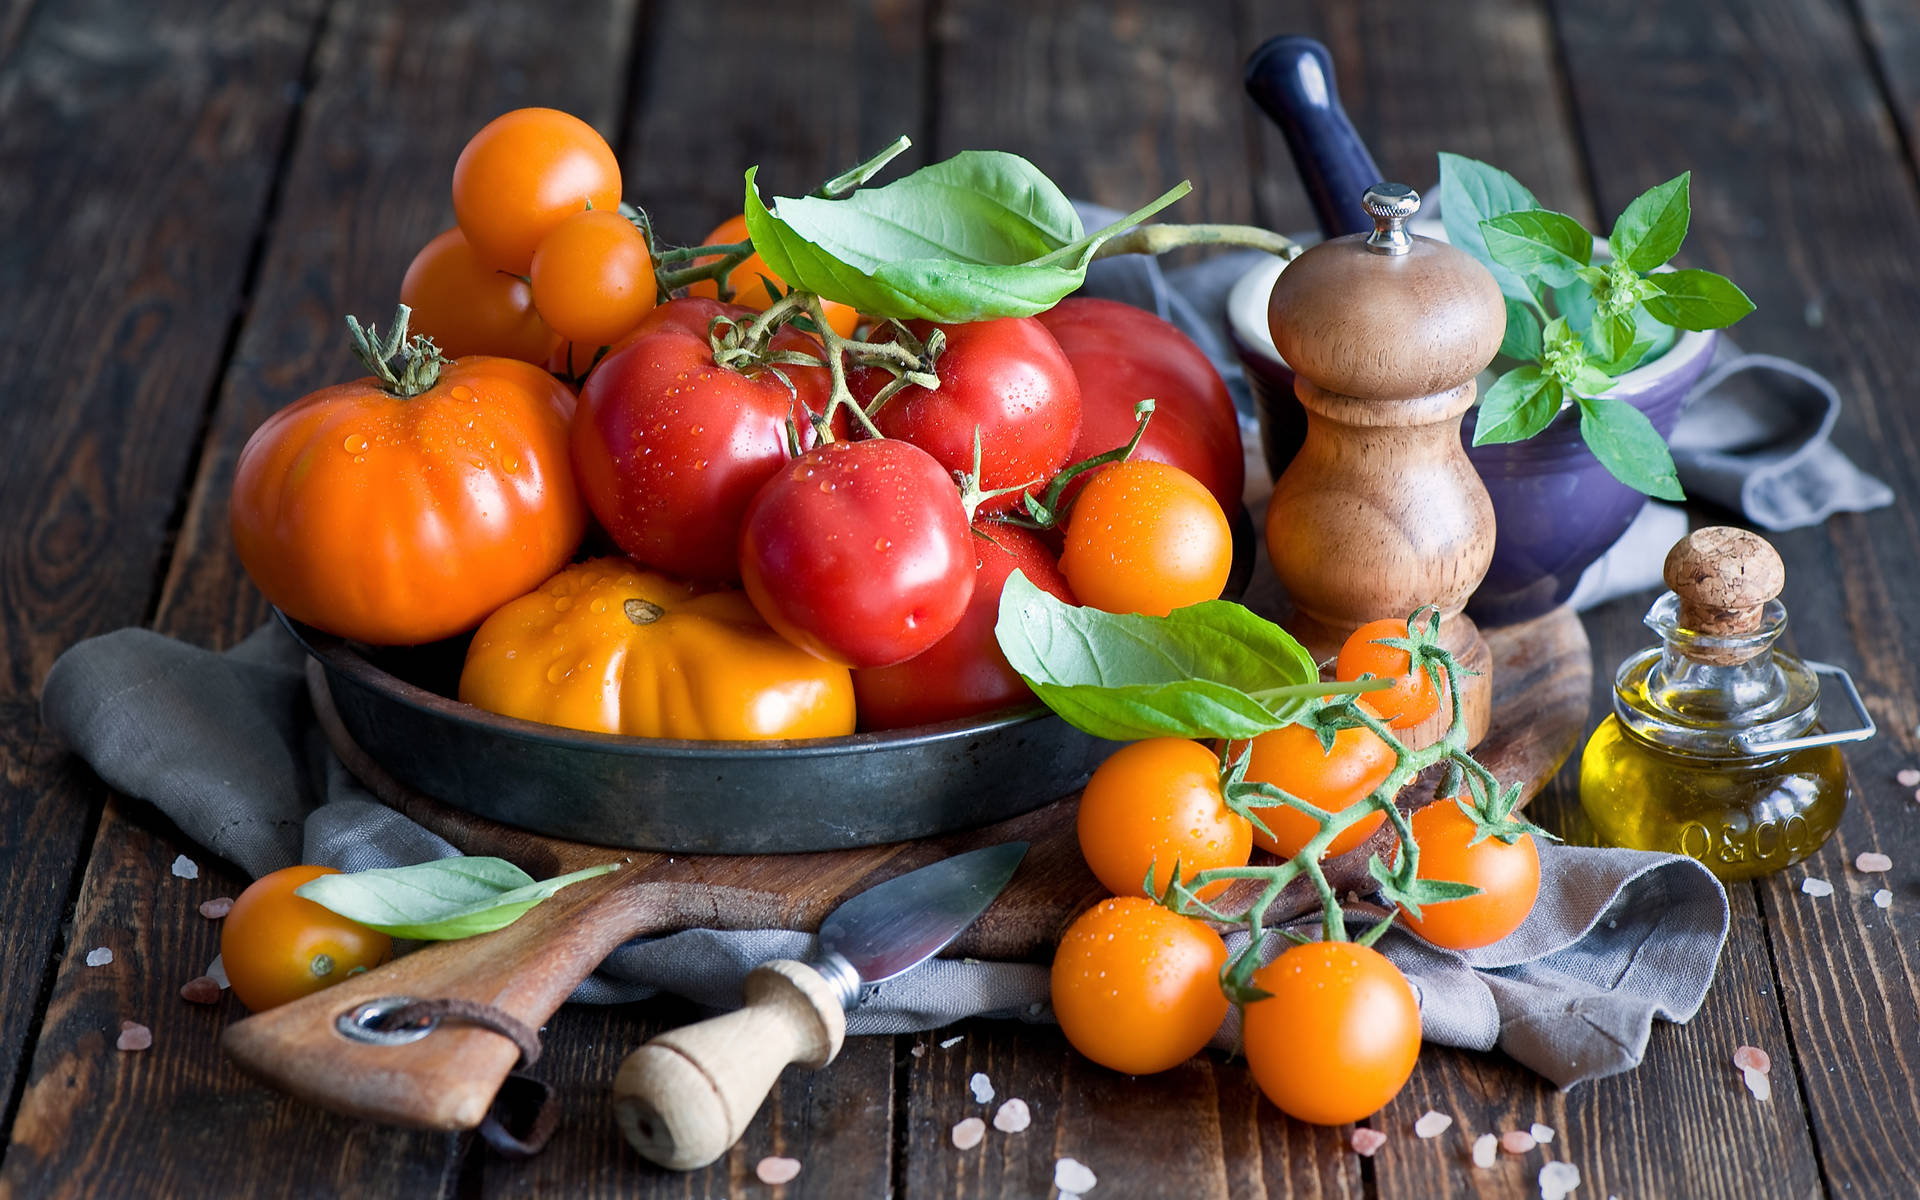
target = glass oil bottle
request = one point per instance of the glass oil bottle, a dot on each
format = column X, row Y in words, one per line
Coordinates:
column 1714, row 749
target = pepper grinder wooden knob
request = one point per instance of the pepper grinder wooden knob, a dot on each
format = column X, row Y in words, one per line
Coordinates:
column 1724, row 578
column 1381, row 512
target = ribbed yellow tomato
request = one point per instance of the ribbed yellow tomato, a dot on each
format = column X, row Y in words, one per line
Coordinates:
column 609, row 647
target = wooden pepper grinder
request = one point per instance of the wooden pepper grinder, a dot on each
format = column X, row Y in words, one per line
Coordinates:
column 1381, row 512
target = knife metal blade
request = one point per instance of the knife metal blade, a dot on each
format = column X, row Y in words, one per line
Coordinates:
column 892, row 928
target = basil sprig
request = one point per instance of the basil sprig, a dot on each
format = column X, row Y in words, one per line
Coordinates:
column 1208, row 670
column 442, row 900
column 984, row 234
column 1575, row 325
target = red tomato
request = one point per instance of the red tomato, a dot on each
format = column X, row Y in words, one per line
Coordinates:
column 669, row 448
column 1412, row 698
column 468, row 308
column 859, row 552
column 1290, row 758
column 1146, row 538
column 1507, row 874
column 1137, row 988
column 964, row 673
column 1005, row 379
column 277, row 947
column 525, row 172
column 1122, row 355
column 1157, row 803
column 1338, row 1034
column 593, row 277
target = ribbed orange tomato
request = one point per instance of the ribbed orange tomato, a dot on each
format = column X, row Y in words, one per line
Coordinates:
column 396, row 519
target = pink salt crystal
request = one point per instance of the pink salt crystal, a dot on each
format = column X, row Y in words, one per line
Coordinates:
column 1557, row 1179
column 777, row 1170
column 1012, row 1117
column 203, row 990
column 1816, row 887
column 1517, row 1141
column 1432, row 1124
column 1908, row 777
column 216, row 908
column 1366, row 1141
column 1873, row 863
column 1752, row 1058
column 1073, row 1177
column 1484, row 1148
column 967, row 1134
column 134, row 1036
column 1758, row 1084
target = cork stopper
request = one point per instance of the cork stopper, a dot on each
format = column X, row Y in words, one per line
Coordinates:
column 1387, row 315
column 1724, row 578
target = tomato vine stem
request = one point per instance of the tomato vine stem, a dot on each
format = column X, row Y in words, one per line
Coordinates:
column 1160, row 239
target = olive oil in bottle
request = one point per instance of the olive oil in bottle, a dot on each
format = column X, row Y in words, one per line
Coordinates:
column 1713, row 750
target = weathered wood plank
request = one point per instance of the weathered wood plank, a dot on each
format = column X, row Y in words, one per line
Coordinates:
column 397, row 92
column 1795, row 157
column 1892, row 31
column 127, row 254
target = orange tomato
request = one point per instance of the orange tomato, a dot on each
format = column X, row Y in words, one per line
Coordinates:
column 593, row 277
column 468, row 308
column 1158, row 803
column 610, row 647
column 748, row 280
column 1413, row 697
column 1338, row 1034
column 1290, row 758
column 1507, row 874
column 396, row 519
column 1144, row 537
column 524, row 173
column 1136, row 987
column 276, row 946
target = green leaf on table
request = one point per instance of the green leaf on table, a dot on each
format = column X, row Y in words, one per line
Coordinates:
column 984, row 234
column 1548, row 245
column 1519, row 404
column 1209, row 670
column 1651, row 229
column 1628, row 446
column 441, row 900
column 1695, row 299
column 1521, row 342
column 1470, row 192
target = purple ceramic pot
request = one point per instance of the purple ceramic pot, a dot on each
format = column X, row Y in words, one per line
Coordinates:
column 1556, row 509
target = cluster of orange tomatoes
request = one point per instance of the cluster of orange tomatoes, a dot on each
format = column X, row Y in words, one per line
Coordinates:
column 772, row 549
column 1138, row 987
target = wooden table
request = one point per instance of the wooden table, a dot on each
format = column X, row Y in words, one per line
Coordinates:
column 192, row 193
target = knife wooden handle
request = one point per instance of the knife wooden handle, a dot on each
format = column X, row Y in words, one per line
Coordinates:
column 686, row 1096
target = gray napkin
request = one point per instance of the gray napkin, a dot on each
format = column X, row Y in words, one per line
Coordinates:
column 226, row 745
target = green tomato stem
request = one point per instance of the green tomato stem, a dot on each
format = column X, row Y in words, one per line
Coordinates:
column 1160, row 239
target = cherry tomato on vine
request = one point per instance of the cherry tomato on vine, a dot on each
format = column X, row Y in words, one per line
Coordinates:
column 1413, row 697
column 1290, row 758
column 469, row 308
column 964, row 673
column 277, row 946
column 524, row 173
column 670, row 447
column 859, row 552
column 1122, row 355
column 1158, row 802
column 1507, row 874
column 593, row 277
column 1338, row 1034
column 1006, row 380
column 1137, row 988
column 1144, row 537
column 748, row 280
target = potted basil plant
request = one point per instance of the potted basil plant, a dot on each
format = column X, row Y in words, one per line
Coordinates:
column 1603, row 343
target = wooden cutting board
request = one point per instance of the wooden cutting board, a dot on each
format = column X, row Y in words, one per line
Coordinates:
column 1542, row 673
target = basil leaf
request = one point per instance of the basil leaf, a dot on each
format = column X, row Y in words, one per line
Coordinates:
column 1208, row 670
column 442, row 900
column 1520, row 404
column 1548, row 245
column 1613, row 335
column 1695, row 299
column 984, row 234
column 1576, row 303
column 1628, row 446
column 1521, row 342
column 1651, row 229
column 1470, row 192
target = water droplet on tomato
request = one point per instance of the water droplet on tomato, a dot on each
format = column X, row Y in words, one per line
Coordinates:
column 881, row 544
column 598, row 606
column 699, row 464
column 563, row 603
column 462, row 392
column 556, row 673
column 355, row 444
column 511, row 463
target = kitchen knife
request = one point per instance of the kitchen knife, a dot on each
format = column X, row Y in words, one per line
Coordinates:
column 686, row 1096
